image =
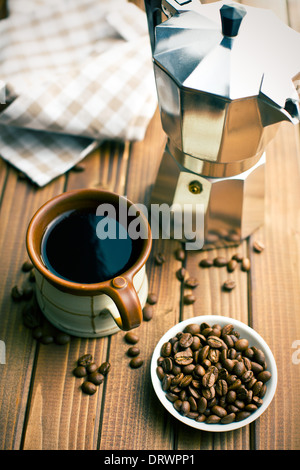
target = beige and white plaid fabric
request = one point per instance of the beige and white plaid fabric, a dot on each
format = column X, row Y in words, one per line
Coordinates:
column 77, row 72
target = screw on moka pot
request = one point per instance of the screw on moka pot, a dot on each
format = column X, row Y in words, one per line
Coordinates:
column 224, row 76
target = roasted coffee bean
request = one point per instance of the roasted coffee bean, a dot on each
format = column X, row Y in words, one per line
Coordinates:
column 85, row 360
column 213, row 419
column 183, row 358
column 80, row 371
column 229, row 285
column 62, row 338
column 167, row 364
column 206, row 263
column 17, row 293
column 160, row 372
column 96, row 378
column 231, row 265
column 47, row 339
column 241, row 344
column 214, row 342
column 238, row 368
column 166, row 382
column 166, row 349
column 258, row 246
column 131, row 337
column 172, row 397
column 229, row 418
column 242, row 415
column 31, row 317
column 191, row 283
column 259, row 356
column 219, row 411
column 246, row 264
column 180, row 274
column 89, row 388
column 133, row 351
column 152, row 298
column 159, row 259
column 180, row 254
column 186, row 340
column 37, row 332
column 27, row 292
column 189, row 299
column 238, row 257
column 104, row 368
column 264, row 376
column 136, row 362
column 27, row 266
column 148, row 312
column 220, row 261
column 78, row 168
column 193, row 328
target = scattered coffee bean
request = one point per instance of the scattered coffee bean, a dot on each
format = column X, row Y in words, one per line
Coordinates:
column 27, row 292
column 246, row 264
column 96, row 378
column 238, row 257
column 148, row 312
column 80, row 371
column 206, row 263
column 37, row 332
column 92, row 367
column 136, row 362
column 180, row 274
column 231, row 265
column 213, row 379
column 191, row 282
column 229, row 285
column 220, row 261
column 159, row 259
column 89, row 388
column 27, row 266
column 17, row 293
column 133, row 351
column 152, row 298
column 32, row 276
column 104, row 368
column 78, row 168
column 180, row 254
column 85, row 360
column 47, row 339
column 62, row 338
column 258, row 246
column 31, row 316
column 189, row 299
column 131, row 337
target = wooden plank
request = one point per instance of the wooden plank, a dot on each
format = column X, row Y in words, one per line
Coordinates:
column 275, row 289
column 275, row 278
column 20, row 200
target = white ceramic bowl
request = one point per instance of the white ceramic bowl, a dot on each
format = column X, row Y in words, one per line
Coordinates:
column 245, row 332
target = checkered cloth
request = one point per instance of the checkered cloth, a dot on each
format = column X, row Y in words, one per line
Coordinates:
column 77, row 72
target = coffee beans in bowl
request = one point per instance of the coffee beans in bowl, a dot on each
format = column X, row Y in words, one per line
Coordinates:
column 214, row 373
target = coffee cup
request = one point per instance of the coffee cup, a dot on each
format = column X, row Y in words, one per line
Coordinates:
column 61, row 247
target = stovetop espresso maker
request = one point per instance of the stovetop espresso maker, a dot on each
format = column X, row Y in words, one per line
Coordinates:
column 224, row 76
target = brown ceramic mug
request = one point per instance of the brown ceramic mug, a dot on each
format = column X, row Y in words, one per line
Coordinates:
column 98, row 309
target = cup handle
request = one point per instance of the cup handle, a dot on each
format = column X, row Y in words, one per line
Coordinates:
column 124, row 295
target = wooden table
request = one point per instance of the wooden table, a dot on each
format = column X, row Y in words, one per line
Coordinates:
column 41, row 403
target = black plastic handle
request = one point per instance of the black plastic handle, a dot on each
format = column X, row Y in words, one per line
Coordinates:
column 231, row 17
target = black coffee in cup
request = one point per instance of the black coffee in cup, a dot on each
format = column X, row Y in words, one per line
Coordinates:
column 72, row 250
